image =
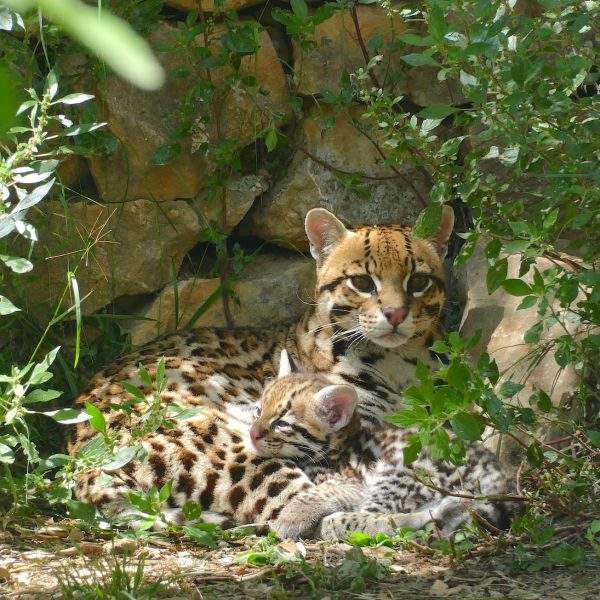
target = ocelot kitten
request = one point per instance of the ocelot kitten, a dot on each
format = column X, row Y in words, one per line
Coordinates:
column 379, row 294
column 305, row 418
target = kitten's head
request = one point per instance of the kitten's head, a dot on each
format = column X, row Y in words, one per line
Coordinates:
column 379, row 283
column 303, row 416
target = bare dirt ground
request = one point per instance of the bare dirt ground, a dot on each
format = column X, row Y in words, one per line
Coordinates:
column 34, row 560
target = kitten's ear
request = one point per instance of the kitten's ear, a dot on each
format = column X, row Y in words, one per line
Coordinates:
column 442, row 235
column 324, row 231
column 286, row 366
column 335, row 405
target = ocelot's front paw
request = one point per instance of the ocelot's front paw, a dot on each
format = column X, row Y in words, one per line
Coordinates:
column 337, row 525
column 297, row 520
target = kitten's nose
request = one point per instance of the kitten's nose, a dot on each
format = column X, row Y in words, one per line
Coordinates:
column 395, row 316
column 255, row 434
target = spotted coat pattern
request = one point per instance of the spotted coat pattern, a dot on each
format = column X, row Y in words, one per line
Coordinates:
column 378, row 296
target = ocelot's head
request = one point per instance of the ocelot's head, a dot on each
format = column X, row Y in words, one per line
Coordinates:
column 380, row 283
column 303, row 416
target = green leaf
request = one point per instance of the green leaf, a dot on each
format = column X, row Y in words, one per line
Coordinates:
column 78, row 320
column 532, row 335
column 496, row 275
column 165, row 154
column 414, row 40
column 516, row 287
column 134, row 390
column 97, row 420
column 271, row 140
column 428, row 222
column 201, row 536
column 165, row 491
column 437, row 111
column 419, row 60
column 82, row 511
column 300, row 9
column 544, row 402
column 508, row 389
column 82, row 128
column 7, row 454
column 594, row 437
column 191, row 510
column 535, row 455
column 40, row 372
column 517, row 246
column 493, row 248
column 412, row 451
column 16, row 264
column 7, row 307
column 9, row 104
column 466, row 426
column 108, row 37
column 67, row 416
column 51, row 86
column 527, row 302
column 42, row 396
column 121, row 458
column 436, row 22
column 458, row 375
column 73, row 99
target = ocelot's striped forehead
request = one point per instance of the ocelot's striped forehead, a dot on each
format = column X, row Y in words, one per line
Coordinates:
column 389, row 253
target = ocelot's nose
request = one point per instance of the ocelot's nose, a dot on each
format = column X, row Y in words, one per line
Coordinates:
column 395, row 316
column 255, row 434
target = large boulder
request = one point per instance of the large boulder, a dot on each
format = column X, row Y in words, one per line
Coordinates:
column 338, row 49
column 228, row 208
column 144, row 122
column 384, row 196
column 503, row 328
column 273, row 290
column 114, row 250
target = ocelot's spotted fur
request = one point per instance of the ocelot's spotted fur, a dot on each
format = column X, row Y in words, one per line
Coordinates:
column 306, row 418
column 379, row 294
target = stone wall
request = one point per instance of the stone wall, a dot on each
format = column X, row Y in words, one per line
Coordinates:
column 153, row 191
column 203, row 153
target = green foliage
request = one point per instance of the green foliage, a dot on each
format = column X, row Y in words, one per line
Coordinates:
column 110, row 579
column 108, row 37
column 517, row 145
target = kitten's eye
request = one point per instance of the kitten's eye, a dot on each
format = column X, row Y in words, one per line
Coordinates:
column 363, row 283
column 280, row 425
column 418, row 282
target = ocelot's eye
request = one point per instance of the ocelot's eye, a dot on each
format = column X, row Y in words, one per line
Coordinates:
column 417, row 283
column 363, row 283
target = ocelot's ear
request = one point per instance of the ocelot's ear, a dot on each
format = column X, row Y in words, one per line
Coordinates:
column 335, row 405
column 442, row 235
column 324, row 231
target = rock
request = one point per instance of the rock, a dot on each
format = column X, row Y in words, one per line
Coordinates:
column 128, row 249
column 338, row 50
column 227, row 212
column 137, row 119
column 272, row 290
column 503, row 329
column 279, row 215
column 244, row 110
column 143, row 122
